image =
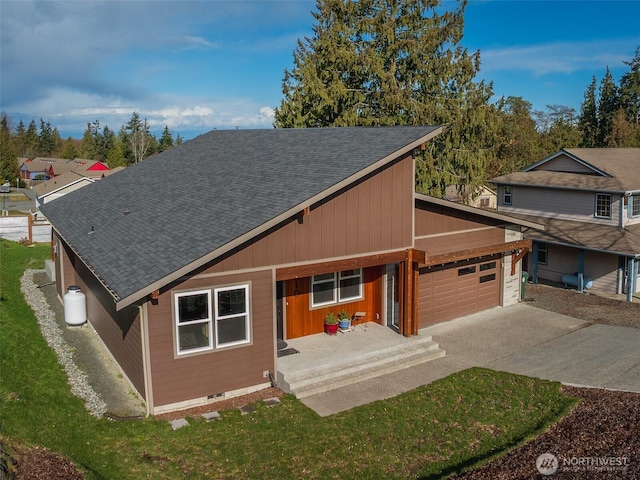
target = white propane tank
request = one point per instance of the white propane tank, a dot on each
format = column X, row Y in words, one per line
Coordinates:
column 75, row 306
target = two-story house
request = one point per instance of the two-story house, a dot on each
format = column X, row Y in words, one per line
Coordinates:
column 588, row 199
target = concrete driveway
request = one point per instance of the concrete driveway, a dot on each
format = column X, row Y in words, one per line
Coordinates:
column 519, row 339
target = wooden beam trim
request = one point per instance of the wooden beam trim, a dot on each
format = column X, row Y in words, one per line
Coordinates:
column 307, row 270
column 515, row 258
column 460, row 255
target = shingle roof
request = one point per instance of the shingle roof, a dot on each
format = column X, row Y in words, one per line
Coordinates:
column 56, row 183
column 604, row 238
column 137, row 228
column 546, row 178
column 621, row 164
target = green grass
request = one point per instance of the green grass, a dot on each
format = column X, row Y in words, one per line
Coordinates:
column 430, row 432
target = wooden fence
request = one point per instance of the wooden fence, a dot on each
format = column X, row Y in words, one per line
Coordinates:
column 20, row 227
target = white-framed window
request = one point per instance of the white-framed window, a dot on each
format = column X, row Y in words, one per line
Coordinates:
column 634, row 209
column 603, row 205
column 323, row 289
column 193, row 314
column 350, row 287
column 232, row 316
column 337, row 287
column 507, row 195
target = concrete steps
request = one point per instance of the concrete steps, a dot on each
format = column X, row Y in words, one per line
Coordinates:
column 348, row 369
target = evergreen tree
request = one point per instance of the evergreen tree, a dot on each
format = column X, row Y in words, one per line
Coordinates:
column 392, row 62
column 69, row 150
column 520, row 144
column 31, row 140
column 88, row 147
column 608, row 105
column 115, row 156
column 46, row 139
column 630, row 90
column 20, row 138
column 9, row 169
column 588, row 122
column 166, row 140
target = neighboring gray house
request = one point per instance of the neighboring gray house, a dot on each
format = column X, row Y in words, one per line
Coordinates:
column 588, row 199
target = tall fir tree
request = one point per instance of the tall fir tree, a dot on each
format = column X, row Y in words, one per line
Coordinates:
column 69, row 149
column 9, row 169
column 46, row 139
column 630, row 90
column 166, row 140
column 31, row 140
column 608, row 104
column 588, row 122
column 393, row 62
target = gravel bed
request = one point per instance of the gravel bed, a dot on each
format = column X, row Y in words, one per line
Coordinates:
column 53, row 335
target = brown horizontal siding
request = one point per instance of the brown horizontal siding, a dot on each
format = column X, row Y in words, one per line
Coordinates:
column 374, row 214
column 119, row 330
column 200, row 375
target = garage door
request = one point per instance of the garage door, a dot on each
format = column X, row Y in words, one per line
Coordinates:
column 453, row 290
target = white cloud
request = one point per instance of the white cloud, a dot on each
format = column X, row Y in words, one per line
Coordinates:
column 559, row 57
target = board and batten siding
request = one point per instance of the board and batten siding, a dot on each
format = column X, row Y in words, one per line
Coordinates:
column 119, row 330
column 441, row 230
column 573, row 205
column 198, row 376
column 372, row 215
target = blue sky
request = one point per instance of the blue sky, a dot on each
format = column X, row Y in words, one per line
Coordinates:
column 196, row 66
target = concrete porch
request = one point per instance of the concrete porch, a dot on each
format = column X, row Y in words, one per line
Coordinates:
column 369, row 350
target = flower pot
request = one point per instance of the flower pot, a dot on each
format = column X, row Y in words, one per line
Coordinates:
column 344, row 324
column 331, row 329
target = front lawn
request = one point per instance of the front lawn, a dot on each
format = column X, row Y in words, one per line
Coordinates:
column 435, row 430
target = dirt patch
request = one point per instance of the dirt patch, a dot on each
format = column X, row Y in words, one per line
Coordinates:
column 39, row 463
column 585, row 306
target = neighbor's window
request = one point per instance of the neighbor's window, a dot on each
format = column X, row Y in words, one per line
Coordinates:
column 603, row 205
column 330, row 288
column 193, row 321
column 635, row 205
column 507, row 195
column 232, row 315
column 543, row 250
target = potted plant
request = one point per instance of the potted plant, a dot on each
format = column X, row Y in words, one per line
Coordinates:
column 344, row 320
column 331, row 323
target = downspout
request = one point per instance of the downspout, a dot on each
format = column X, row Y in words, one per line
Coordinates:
column 534, row 263
column 631, row 282
column 144, row 340
column 581, row 270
